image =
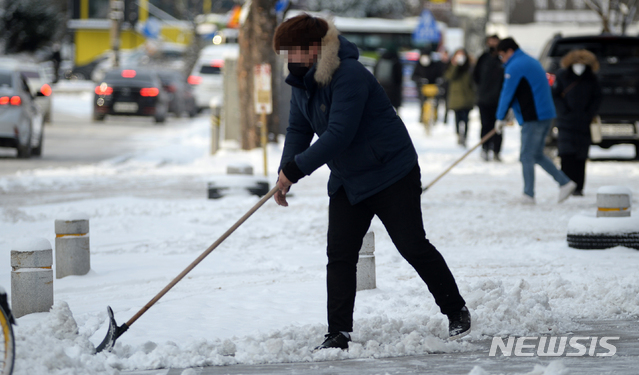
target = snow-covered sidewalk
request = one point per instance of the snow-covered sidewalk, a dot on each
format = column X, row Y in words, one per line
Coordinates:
column 260, row 297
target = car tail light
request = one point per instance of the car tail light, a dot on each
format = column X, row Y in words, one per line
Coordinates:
column 16, row 100
column 128, row 73
column 4, row 100
column 103, row 89
column 194, row 80
column 217, row 63
column 46, row 90
column 150, row 91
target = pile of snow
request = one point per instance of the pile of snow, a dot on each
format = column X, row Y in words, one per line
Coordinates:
column 590, row 224
column 260, row 296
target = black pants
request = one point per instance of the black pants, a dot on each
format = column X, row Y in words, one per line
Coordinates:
column 488, row 115
column 575, row 169
column 399, row 209
column 461, row 121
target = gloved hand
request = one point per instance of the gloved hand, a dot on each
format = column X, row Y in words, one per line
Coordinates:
column 499, row 126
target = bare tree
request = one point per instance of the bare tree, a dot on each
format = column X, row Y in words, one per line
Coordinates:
column 255, row 39
column 615, row 14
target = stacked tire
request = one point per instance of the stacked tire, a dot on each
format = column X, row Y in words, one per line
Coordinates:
column 612, row 226
column 591, row 241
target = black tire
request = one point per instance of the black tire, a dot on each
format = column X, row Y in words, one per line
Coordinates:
column 159, row 119
column 98, row 117
column 24, row 151
column 37, row 151
column 603, row 241
column 7, row 344
column 260, row 189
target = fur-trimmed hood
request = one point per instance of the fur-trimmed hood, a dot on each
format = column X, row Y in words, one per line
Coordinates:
column 329, row 58
column 580, row 56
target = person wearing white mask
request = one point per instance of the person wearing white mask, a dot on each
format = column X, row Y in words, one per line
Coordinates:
column 461, row 92
column 577, row 96
column 427, row 70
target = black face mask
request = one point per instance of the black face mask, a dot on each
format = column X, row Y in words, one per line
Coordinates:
column 298, row 69
column 492, row 50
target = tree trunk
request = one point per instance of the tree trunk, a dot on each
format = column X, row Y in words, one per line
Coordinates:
column 255, row 39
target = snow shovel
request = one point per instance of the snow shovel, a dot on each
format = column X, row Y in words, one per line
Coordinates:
column 481, row 142
column 116, row 331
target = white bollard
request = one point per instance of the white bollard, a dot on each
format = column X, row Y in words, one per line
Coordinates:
column 72, row 251
column 31, row 276
column 239, row 168
column 613, row 201
column 366, row 263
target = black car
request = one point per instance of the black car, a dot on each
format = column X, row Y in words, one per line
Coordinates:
column 618, row 75
column 130, row 92
column 180, row 93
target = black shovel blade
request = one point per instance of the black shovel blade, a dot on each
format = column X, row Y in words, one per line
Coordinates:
column 112, row 334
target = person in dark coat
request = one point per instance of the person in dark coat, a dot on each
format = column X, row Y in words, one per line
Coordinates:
column 427, row 70
column 388, row 71
column 577, row 97
column 489, row 77
column 373, row 163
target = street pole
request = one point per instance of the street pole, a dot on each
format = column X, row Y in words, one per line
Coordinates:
column 264, row 140
column 487, row 18
column 116, row 15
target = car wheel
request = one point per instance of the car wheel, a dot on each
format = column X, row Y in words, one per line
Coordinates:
column 24, row 150
column 37, row 151
column 98, row 117
column 159, row 119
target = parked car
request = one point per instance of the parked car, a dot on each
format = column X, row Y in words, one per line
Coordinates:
column 129, row 92
column 38, row 80
column 21, row 122
column 618, row 75
column 181, row 98
column 207, row 75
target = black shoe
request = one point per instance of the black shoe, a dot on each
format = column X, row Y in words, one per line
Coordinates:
column 334, row 340
column 496, row 157
column 578, row 193
column 459, row 324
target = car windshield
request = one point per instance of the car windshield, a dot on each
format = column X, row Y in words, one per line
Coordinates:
column 207, row 69
column 30, row 74
column 612, row 51
column 119, row 78
column 5, row 81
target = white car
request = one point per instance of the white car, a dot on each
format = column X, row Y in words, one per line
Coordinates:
column 207, row 76
column 38, row 80
column 20, row 118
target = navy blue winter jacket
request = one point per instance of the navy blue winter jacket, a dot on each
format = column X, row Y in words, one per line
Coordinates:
column 526, row 90
column 360, row 137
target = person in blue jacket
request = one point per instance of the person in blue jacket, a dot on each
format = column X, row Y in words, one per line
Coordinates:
column 373, row 163
column 527, row 92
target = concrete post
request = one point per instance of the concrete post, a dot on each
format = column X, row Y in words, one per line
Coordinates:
column 231, row 102
column 31, row 276
column 72, row 252
column 366, row 263
column 216, row 111
column 613, row 201
column 239, row 168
